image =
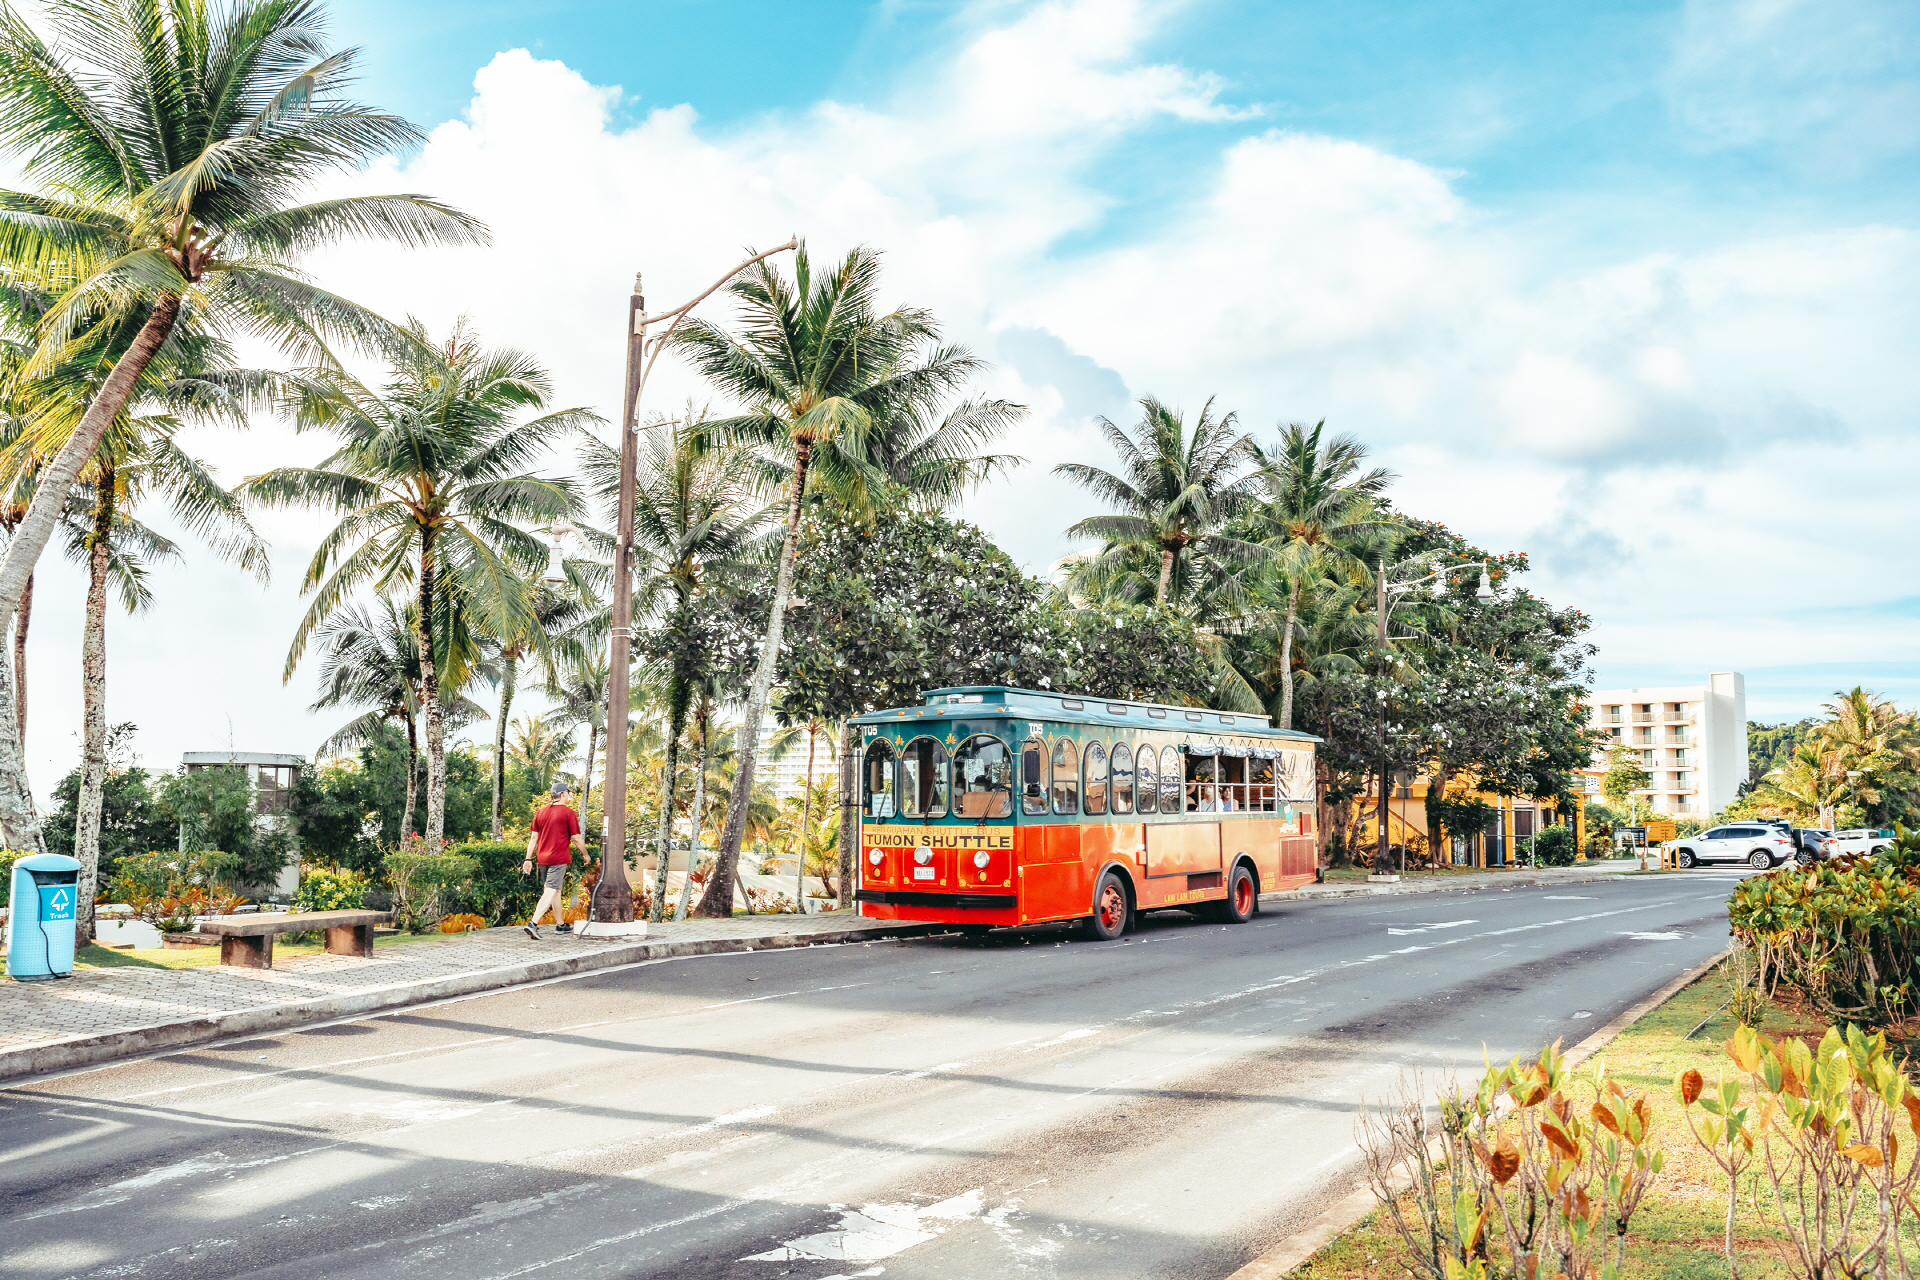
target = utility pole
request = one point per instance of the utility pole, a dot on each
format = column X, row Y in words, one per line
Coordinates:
column 613, row 899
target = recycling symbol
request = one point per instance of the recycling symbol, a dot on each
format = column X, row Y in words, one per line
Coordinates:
column 56, row 902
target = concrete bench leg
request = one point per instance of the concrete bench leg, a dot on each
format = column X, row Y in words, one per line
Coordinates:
column 351, row 940
column 247, row 952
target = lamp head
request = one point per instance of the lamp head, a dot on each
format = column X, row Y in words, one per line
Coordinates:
column 1485, row 590
column 556, row 571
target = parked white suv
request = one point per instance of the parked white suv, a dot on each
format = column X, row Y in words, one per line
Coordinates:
column 1759, row 847
column 1861, row 840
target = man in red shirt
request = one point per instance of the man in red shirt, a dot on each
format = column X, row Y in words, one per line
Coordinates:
column 555, row 834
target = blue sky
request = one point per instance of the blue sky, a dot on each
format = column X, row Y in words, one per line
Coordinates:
column 1634, row 287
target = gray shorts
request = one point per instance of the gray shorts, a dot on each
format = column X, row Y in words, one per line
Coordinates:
column 556, row 875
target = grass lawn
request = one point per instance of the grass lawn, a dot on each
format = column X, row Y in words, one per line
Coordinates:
column 1677, row 1233
column 99, row 957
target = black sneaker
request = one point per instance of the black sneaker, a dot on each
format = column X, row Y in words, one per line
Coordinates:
column 564, row 928
column 533, row 931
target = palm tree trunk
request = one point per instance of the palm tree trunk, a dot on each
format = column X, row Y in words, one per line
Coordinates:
column 586, row 784
column 702, row 718
column 500, row 751
column 849, row 813
column 677, row 699
column 1286, row 658
column 18, row 817
column 718, row 899
column 806, row 822
column 1166, row 575
column 430, row 699
column 413, row 773
column 93, row 685
column 20, row 656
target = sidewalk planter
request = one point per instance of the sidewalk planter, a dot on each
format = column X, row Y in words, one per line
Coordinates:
column 186, row 941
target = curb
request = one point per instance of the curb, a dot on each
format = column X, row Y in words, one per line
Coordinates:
column 1508, row 880
column 82, row 1051
column 1341, row 1216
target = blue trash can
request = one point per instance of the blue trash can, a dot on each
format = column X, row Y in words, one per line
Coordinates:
column 42, row 906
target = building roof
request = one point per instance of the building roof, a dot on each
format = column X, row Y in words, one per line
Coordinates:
column 240, row 757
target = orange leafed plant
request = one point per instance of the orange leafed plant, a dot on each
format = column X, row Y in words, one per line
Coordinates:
column 461, row 922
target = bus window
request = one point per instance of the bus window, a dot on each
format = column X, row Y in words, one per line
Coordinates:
column 1233, row 783
column 923, row 779
column 879, row 780
column 1149, row 781
column 1033, row 776
column 1066, row 777
column 1260, row 789
column 1096, row 789
column 982, row 779
column 1122, row 778
column 1202, row 795
column 1170, row 780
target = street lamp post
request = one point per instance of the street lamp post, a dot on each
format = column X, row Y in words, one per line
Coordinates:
column 1384, row 605
column 613, row 898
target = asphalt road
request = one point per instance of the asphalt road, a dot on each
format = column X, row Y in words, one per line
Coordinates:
column 1166, row 1105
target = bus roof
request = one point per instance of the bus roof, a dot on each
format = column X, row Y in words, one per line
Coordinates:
column 974, row 701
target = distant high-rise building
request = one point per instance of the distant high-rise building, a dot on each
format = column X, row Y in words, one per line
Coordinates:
column 1691, row 739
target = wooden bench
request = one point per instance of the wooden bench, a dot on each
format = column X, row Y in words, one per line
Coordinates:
column 247, row 941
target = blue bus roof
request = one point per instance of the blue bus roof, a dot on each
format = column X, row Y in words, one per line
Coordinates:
column 974, row 701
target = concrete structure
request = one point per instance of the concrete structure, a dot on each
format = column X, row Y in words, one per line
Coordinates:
column 1691, row 738
column 273, row 776
column 786, row 776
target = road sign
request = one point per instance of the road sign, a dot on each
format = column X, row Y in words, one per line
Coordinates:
column 1658, row 832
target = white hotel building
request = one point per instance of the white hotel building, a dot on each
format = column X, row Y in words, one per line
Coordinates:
column 1692, row 739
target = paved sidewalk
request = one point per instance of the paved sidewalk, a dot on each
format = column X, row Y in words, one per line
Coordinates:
column 102, row 1014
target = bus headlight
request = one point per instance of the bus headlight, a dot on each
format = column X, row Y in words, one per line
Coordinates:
column 923, row 856
column 876, row 857
column 981, row 859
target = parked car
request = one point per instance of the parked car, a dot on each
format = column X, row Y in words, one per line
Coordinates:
column 1862, row 840
column 1760, row 846
column 1811, row 845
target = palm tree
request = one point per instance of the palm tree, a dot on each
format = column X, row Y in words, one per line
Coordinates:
column 555, row 610
column 580, row 690
column 1868, row 736
column 170, row 141
column 427, row 488
column 815, row 363
column 370, row 659
column 1173, row 498
column 1319, row 503
column 541, row 749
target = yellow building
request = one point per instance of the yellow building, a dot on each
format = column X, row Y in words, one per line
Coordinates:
column 1502, row 844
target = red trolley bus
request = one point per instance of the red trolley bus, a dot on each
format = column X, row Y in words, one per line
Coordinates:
column 1000, row 806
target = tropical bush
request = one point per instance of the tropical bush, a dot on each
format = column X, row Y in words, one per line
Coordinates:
column 422, row 883
column 1820, row 1128
column 461, row 922
column 497, row 888
column 1845, row 933
column 1520, row 1178
column 325, row 889
column 1554, row 847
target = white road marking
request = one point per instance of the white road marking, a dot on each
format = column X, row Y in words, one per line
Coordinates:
column 1657, row 937
column 876, row 1231
column 1429, row 928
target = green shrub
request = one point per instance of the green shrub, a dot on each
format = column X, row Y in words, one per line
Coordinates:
column 1554, row 847
column 499, row 889
column 425, row 886
column 1844, row 933
column 324, row 889
column 165, row 871
column 7, row 858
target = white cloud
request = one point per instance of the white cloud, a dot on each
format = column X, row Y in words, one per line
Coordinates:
column 1682, row 438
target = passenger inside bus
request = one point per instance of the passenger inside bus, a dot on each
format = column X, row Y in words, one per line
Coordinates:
column 1202, row 796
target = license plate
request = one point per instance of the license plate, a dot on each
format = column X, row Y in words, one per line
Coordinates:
column 923, row 873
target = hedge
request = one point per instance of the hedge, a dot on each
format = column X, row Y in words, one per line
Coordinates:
column 498, row 889
column 1844, row 933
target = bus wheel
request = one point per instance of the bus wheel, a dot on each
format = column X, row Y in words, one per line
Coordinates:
column 1109, row 918
column 1241, row 901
